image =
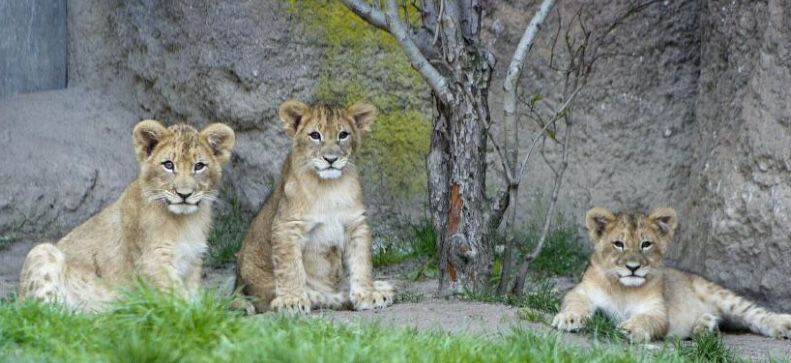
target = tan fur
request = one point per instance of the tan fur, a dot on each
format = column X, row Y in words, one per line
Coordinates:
column 665, row 301
column 312, row 230
column 150, row 231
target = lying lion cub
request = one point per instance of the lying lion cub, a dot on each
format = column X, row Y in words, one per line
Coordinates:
column 626, row 280
column 312, row 226
column 156, row 229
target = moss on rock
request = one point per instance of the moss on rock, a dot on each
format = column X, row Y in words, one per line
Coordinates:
column 363, row 63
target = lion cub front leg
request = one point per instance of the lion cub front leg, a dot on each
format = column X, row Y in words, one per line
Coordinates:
column 643, row 328
column 648, row 323
column 156, row 265
column 575, row 310
column 364, row 293
column 289, row 270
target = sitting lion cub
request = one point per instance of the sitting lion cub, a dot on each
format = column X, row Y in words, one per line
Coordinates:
column 312, row 226
column 625, row 279
column 157, row 228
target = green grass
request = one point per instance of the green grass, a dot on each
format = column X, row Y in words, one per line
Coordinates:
column 409, row 296
column 600, row 327
column 563, row 253
column 542, row 298
column 150, row 326
column 707, row 347
column 228, row 230
column 420, row 244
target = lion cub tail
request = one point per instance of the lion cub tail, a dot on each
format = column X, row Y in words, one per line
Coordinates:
column 742, row 311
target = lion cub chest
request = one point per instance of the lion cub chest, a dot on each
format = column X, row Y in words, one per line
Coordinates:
column 189, row 248
column 328, row 220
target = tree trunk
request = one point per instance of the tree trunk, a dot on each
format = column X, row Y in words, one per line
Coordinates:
column 457, row 175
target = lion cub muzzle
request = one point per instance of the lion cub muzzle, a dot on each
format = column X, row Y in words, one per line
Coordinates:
column 331, row 163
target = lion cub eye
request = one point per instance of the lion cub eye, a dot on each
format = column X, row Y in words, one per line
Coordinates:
column 315, row 135
column 618, row 244
column 646, row 245
column 343, row 135
column 168, row 165
column 199, row 166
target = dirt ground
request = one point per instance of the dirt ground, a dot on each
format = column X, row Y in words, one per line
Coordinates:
column 430, row 313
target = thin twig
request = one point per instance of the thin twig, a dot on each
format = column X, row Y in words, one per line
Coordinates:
column 437, row 82
column 439, row 21
column 519, row 284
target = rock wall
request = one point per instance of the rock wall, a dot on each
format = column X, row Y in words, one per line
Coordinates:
column 201, row 62
column 67, row 154
column 33, row 46
column 738, row 227
column 687, row 108
column 634, row 121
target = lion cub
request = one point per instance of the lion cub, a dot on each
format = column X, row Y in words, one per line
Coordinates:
column 157, row 228
column 626, row 280
column 313, row 226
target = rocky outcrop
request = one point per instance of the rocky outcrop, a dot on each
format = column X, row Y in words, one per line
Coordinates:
column 738, row 200
column 67, row 154
column 687, row 108
column 201, row 62
column 33, row 47
column 634, row 121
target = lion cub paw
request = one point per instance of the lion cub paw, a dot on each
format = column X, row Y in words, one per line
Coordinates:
column 706, row 323
column 569, row 321
column 291, row 304
column 373, row 299
column 780, row 326
column 242, row 305
column 635, row 331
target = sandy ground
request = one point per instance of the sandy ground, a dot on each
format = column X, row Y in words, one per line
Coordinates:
column 430, row 313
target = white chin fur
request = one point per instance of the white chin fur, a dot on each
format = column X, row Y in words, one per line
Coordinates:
column 631, row 280
column 182, row 208
column 329, row 174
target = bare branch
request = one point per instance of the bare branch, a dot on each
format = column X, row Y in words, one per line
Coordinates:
column 438, row 21
column 517, row 61
column 559, row 113
column 369, row 13
column 521, row 277
column 508, row 196
column 436, row 81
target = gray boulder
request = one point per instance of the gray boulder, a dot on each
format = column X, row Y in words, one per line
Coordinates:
column 67, row 154
column 738, row 227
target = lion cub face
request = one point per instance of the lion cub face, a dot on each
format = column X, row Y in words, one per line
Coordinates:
column 325, row 137
column 180, row 166
column 629, row 246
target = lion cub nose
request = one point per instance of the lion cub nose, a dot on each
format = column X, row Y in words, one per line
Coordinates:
column 632, row 266
column 330, row 159
column 184, row 196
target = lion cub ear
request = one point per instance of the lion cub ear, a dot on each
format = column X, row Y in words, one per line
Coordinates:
column 146, row 136
column 596, row 220
column 291, row 113
column 363, row 114
column 220, row 139
column 664, row 220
